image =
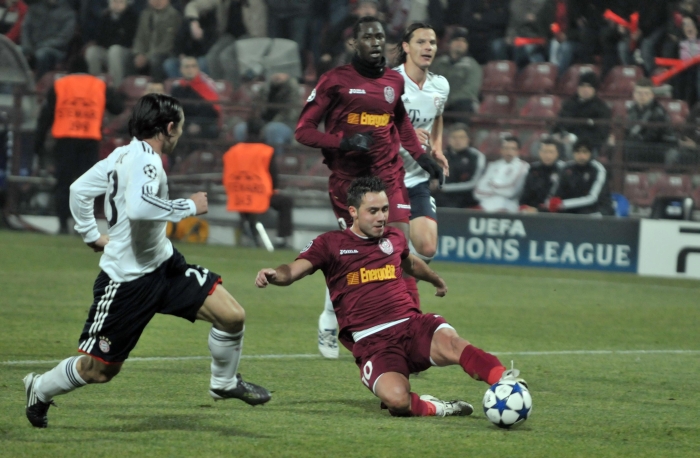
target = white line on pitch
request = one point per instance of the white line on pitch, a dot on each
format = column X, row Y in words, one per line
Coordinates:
column 316, row 356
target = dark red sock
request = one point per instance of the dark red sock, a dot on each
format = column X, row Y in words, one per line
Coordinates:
column 412, row 287
column 421, row 408
column 481, row 365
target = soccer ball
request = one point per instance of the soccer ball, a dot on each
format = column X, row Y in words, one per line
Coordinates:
column 507, row 403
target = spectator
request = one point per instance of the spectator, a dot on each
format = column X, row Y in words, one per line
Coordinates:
column 255, row 162
column 198, row 95
column 230, row 26
column 560, row 22
column 12, row 13
column 192, row 41
column 289, row 19
column 115, row 36
column 522, row 23
column 687, row 83
column 499, row 189
column 486, row 21
column 585, row 105
column 281, row 107
column 155, row 37
column 653, row 21
column 46, row 34
column 583, row 186
column 89, row 14
column 612, row 34
column 690, row 139
column 462, row 72
column 542, row 178
column 648, row 143
column 466, row 167
column 73, row 111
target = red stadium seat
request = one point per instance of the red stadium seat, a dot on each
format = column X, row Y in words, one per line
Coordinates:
column 499, row 76
column 672, row 186
column 290, row 163
column 491, row 145
column 541, row 106
column 677, row 110
column 497, row 104
column 619, row 108
column 537, row 78
column 619, row 82
column 134, row 86
column 568, row 82
column 637, row 189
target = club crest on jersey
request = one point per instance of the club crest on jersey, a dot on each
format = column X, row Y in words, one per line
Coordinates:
column 306, row 248
column 150, row 171
column 439, row 102
column 386, row 246
column 389, row 94
column 104, row 344
column 312, row 96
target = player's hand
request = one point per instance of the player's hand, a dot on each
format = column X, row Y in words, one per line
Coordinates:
column 357, row 142
column 423, row 136
column 428, row 164
column 442, row 162
column 441, row 288
column 265, row 276
column 99, row 244
column 201, row 202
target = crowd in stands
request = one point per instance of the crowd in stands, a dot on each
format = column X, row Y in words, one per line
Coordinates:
column 575, row 66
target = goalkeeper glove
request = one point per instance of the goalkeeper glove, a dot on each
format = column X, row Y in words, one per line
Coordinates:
column 357, row 142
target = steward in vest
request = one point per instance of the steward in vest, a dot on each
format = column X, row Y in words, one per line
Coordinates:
column 73, row 111
column 251, row 181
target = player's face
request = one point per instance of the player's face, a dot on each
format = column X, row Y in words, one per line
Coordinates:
column 548, row 153
column 509, row 150
column 169, row 143
column 582, row 155
column 370, row 219
column 422, row 48
column 369, row 43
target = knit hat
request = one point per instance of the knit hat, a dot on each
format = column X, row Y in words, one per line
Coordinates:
column 589, row 78
column 460, row 32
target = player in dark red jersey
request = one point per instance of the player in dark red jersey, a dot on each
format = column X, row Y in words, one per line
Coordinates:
column 365, row 123
column 390, row 337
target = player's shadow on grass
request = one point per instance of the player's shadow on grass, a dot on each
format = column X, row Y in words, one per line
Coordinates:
column 140, row 423
column 331, row 405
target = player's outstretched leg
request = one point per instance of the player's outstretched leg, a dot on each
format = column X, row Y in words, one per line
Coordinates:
column 395, row 392
column 225, row 344
column 328, row 330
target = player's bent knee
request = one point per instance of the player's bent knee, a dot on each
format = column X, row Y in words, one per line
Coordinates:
column 397, row 399
column 94, row 371
column 232, row 318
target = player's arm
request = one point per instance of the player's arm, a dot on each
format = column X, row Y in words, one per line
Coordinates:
column 417, row 268
column 83, row 191
column 284, row 275
column 409, row 140
column 317, row 105
column 141, row 194
column 436, row 141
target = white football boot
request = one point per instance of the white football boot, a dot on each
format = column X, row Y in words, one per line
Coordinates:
column 328, row 343
column 448, row 408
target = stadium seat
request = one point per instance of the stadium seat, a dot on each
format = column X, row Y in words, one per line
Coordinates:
column 672, row 186
column 537, row 78
column 499, row 76
column 541, row 106
column 134, row 86
column 568, row 82
column 290, row 163
column 497, row 104
column 637, row 190
column 531, row 145
column 619, row 82
column 677, row 110
column 491, row 144
column 619, row 108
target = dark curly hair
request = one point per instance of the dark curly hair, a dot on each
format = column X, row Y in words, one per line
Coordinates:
column 152, row 114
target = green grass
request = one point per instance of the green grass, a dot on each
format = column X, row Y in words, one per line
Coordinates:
column 639, row 400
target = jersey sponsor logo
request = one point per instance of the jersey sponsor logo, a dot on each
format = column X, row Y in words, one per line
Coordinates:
column 104, row 344
column 385, row 244
column 388, row 272
column 357, row 91
column 312, row 96
column 342, row 252
column 389, row 94
column 306, row 248
column 368, row 119
column 403, row 206
column 150, row 171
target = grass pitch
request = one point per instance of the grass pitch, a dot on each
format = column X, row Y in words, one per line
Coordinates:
column 611, row 359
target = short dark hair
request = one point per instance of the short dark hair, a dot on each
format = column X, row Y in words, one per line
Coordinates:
column 582, row 143
column 511, row 138
column 408, row 34
column 550, row 141
column 364, row 20
column 361, row 186
column 644, row 82
column 152, row 114
column 458, row 126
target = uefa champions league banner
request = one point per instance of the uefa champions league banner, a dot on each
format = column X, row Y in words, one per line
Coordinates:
column 669, row 249
column 541, row 240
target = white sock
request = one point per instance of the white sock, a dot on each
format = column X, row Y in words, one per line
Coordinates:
column 225, row 351
column 62, row 379
column 328, row 319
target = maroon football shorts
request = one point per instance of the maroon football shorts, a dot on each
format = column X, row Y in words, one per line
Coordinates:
column 399, row 203
column 403, row 348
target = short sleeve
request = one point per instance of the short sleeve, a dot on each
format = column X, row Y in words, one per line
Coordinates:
column 316, row 252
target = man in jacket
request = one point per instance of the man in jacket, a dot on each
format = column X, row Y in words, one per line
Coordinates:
column 155, row 37
column 46, row 33
column 542, row 178
column 462, row 72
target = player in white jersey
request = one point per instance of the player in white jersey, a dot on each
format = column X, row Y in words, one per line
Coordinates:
column 424, row 98
column 425, row 95
column 142, row 274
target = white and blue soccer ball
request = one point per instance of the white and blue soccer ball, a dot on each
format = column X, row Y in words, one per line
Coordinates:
column 507, row 403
